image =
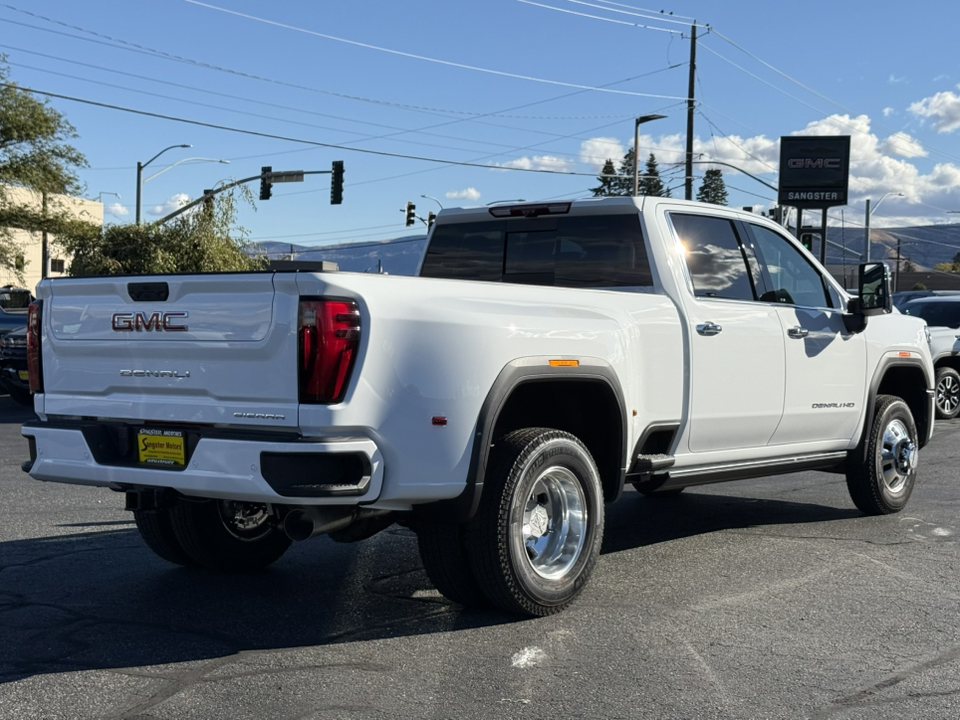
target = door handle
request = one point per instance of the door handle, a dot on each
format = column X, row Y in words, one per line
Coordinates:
column 798, row 332
column 709, row 328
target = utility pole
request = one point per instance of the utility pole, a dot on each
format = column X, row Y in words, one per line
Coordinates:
column 896, row 278
column 688, row 181
column 866, row 223
column 45, row 241
column 823, row 238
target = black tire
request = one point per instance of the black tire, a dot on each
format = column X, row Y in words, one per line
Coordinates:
column 228, row 536
column 547, row 482
column 24, row 397
column 156, row 529
column 881, row 481
column 444, row 557
column 948, row 393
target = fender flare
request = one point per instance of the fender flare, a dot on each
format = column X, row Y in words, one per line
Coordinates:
column 882, row 368
column 514, row 374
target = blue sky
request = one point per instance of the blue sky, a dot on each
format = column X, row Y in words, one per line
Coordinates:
column 494, row 89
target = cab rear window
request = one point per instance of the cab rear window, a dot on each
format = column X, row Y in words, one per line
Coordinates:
column 581, row 251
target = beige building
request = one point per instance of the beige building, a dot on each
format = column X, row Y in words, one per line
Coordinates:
column 30, row 259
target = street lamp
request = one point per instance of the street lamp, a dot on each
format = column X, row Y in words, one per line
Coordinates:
column 434, row 199
column 181, row 162
column 141, row 166
column 866, row 222
column 636, row 152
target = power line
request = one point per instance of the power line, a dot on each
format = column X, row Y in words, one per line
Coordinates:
column 448, row 63
column 593, row 17
column 259, row 102
column 286, row 138
column 120, row 44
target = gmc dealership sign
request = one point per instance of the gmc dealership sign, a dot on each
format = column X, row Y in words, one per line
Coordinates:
column 814, row 171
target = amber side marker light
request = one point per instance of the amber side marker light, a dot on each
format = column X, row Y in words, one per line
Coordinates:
column 564, row 363
column 906, row 354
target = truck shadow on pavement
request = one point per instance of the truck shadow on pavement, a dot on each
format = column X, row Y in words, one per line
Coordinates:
column 94, row 597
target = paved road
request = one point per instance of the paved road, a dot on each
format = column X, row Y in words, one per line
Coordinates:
column 771, row 598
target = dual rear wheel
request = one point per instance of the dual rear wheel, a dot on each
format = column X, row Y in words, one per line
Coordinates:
column 536, row 535
column 220, row 535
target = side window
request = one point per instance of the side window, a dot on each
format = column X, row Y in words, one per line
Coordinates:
column 793, row 280
column 714, row 258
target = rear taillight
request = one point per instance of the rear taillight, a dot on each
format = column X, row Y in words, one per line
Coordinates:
column 329, row 338
column 34, row 367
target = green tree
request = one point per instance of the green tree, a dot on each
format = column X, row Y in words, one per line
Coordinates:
column 205, row 240
column 650, row 183
column 622, row 182
column 712, row 189
column 608, row 181
column 35, row 155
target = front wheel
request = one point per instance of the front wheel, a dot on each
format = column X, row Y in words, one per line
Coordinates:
column 948, row 393
column 536, row 536
column 881, row 481
column 227, row 535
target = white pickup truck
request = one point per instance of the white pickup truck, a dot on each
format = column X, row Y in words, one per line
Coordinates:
column 942, row 315
column 546, row 356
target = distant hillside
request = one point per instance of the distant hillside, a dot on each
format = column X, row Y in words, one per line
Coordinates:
column 924, row 246
column 400, row 256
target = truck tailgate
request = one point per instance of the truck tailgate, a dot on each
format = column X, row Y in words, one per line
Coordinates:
column 218, row 349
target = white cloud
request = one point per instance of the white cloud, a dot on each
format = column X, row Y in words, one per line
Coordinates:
column 895, row 79
column 117, row 210
column 888, row 111
column 943, row 108
column 174, row 203
column 468, row 194
column 539, row 162
column 596, row 151
column 903, row 145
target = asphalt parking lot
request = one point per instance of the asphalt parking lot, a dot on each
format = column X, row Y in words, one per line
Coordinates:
column 770, row 598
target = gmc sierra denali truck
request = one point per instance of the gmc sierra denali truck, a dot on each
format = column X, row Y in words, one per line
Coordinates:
column 546, row 356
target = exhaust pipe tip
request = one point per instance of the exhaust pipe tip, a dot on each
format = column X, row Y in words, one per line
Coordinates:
column 298, row 525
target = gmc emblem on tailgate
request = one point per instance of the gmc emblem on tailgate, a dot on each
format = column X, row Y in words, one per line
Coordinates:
column 140, row 322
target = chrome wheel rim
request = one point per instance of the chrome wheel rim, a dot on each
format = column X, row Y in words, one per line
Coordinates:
column 245, row 521
column 898, row 456
column 552, row 528
column 948, row 395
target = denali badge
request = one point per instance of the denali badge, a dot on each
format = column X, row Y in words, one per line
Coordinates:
column 125, row 322
column 155, row 373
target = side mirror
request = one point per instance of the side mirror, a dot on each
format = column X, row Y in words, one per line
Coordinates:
column 874, row 296
column 875, row 289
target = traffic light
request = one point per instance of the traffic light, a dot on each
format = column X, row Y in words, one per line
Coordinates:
column 806, row 239
column 411, row 214
column 266, row 186
column 431, row 219
column 208, row 202
column 336, row 183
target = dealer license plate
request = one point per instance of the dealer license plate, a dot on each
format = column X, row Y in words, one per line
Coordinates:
column 24, row 375
column 161, row 447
